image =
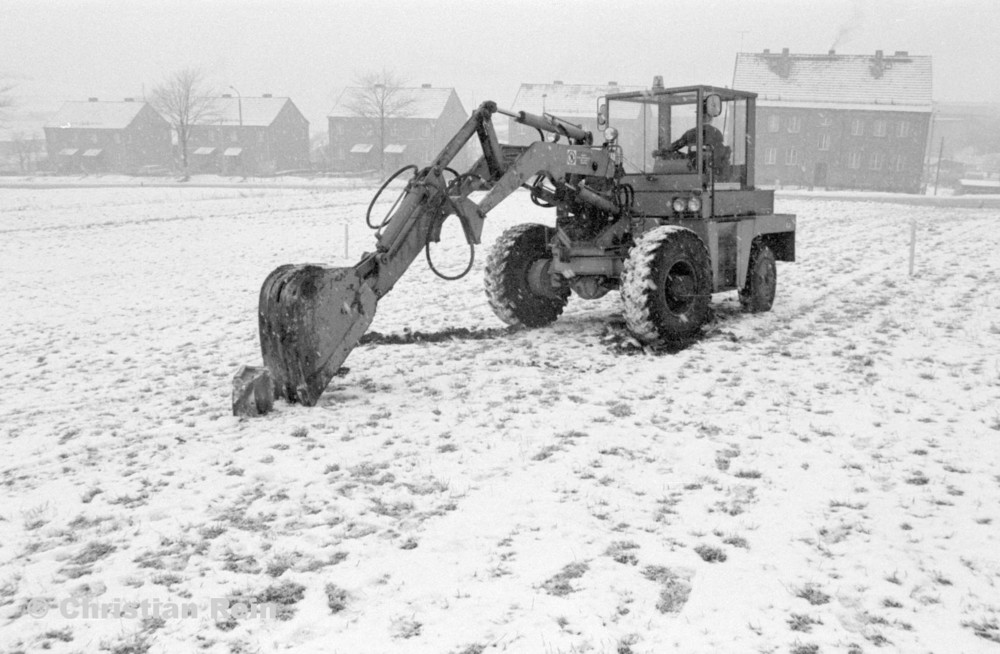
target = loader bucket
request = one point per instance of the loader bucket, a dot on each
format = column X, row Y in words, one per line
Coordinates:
column 311, row 317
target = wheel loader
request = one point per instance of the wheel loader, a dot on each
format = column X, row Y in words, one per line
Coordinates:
column 663, row 210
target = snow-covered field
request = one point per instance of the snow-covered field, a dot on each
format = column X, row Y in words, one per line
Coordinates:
column 821, row 478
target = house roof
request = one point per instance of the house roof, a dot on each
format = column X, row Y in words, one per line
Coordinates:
column 428, row 102
column 96, row 115
column 256, row 111
column 899, row 79
column 565, row 100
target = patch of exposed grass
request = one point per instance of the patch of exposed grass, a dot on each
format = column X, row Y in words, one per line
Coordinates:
column 559, row 584
column 987, row 628
column 92, row 552
column 802, row 622
column 812, row 594
column 336, row 598
column 711, row 554
column 620, row 551
column 675, row 589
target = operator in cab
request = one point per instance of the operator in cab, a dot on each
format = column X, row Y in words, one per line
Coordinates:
column 712, row 140
column 710, row 135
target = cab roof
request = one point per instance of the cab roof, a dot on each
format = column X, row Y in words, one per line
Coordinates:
column 680, row 94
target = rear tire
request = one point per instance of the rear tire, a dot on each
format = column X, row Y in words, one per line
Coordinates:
column 757, row 295
column 667, row 284
column 506, row 281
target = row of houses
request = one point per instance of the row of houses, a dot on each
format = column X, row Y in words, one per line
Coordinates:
column 830, row 120
column 244, row 135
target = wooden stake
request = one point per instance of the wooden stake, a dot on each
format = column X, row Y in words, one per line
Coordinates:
column 913, row 242
column 347, row 252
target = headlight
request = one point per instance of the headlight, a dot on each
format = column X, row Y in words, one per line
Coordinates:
column 694, row 204
column 678, row 205
column 610, row 135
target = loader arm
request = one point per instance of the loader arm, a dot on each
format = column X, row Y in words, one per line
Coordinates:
column 312, row 316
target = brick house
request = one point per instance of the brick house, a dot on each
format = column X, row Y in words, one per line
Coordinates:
column 839, row 121
column 249, row 136
column 415, row 136
column 107, row 137
column 577, row 104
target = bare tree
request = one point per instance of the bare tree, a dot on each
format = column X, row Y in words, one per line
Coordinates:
column 185, row 99
column 379, row 97
column 27, row 148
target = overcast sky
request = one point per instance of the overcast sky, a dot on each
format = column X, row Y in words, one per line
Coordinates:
column 310, row 50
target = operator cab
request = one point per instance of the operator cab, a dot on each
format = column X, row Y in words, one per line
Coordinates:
column 695, row 137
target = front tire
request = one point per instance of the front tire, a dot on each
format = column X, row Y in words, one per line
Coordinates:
column 507, row 285
column 757, row 295
column 667, row 284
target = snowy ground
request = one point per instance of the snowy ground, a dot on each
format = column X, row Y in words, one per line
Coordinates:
column 821, row 478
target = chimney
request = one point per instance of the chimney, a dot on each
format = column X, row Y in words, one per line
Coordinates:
column 784, row 52
column 767, row 50
column 878, row 66
column 425, row 86
column 658, row 82
column 902, row 53
column 227, row 95
column 612, row 83
column 268, row 95
column 91, row 99
column 129, row 99
column 832, row 52
column 558, row 82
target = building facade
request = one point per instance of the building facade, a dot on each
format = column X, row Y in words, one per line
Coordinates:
column 249, row 136
column 367, row 141
column 839, row 121
column 107, row 137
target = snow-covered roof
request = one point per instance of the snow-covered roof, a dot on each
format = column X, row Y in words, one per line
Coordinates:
column 428, row 102
column 873, row 79
column 566, row 100
column 96, row 115
column 257, row 111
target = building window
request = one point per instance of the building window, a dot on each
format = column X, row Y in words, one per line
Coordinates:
column 824, row 142
column 875, row 160
column 234, row 136
column 792, row 157
column 854, row 160
column 879, row 128
column 773, row 123
column 900, row 163
column 426, row 131
column 794, row 124
column 857, row 127
column 903, row 129
column 340, row 129
column 771, row 156
column 825, row 120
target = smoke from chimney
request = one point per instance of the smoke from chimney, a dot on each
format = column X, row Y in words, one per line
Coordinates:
column 850, row 25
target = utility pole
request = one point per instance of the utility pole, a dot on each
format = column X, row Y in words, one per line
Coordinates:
column 239, row 104
column 937, row 174
column 380, row 99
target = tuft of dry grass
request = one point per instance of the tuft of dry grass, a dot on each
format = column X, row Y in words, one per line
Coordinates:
column 559, row 584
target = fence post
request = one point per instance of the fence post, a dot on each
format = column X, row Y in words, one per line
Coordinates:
column 913, row 242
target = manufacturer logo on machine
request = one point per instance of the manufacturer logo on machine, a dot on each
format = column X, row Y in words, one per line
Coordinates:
column 577, row 157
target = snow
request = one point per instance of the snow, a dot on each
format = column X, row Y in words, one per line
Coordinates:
column 842, row 446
